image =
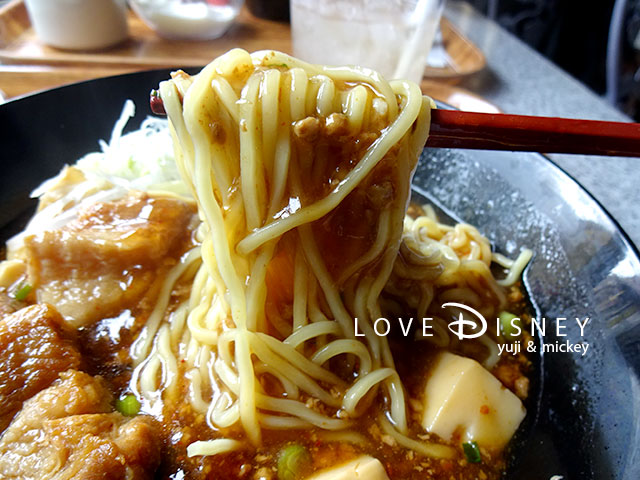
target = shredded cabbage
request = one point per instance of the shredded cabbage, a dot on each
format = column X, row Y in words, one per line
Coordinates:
column 142, row 159
column 139, row 160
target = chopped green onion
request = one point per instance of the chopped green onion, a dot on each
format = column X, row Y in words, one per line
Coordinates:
column 128, row 405
column 510, row 325
column 294, row 462
column 22, row 292
column 472, row 452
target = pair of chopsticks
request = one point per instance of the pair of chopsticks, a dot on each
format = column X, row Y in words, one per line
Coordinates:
column 495, row 131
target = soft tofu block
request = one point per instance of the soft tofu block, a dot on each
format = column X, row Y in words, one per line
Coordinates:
column 362, row 468
column 462, row 397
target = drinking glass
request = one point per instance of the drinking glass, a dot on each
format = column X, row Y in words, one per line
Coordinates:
column 391, row 36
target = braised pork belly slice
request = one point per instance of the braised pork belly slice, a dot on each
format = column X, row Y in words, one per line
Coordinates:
column 35, row 346
column 107, row 259
column 67, row 432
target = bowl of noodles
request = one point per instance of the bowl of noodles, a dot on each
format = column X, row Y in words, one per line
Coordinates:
column 278, row 281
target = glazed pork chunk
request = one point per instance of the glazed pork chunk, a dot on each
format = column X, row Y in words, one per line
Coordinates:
column 66, row 432
column 107, row 258
column 35, row 346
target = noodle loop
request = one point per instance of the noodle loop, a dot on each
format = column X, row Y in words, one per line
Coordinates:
column 302, row 174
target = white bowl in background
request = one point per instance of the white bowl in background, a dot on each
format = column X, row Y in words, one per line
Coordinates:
column 79, row 24
column 188, row 19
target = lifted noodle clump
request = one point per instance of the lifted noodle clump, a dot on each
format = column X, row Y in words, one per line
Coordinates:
column 302, row 176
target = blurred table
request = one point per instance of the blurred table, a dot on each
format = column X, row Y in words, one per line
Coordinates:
column 30, row 65
column 517, row 80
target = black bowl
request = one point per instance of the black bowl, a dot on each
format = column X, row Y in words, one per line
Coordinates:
column 584, row 265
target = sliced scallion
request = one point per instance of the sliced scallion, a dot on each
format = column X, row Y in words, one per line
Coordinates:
column 22, row 292
column 509, row 325
column 128, row 405
column 294, row 462
column 472, row 452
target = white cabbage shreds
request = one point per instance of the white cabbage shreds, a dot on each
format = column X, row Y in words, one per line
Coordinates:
column 141, row 160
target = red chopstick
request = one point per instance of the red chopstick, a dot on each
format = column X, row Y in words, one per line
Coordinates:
column 495, row 131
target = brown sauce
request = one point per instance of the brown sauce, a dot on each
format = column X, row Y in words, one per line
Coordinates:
column 105, row 347
column 413, row 359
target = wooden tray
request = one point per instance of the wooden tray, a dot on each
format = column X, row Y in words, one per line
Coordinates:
column 144, row 49
column 19, row 80
column 462, row 56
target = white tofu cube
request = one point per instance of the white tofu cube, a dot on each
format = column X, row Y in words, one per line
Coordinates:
column 461, row 396
column 362, row 468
